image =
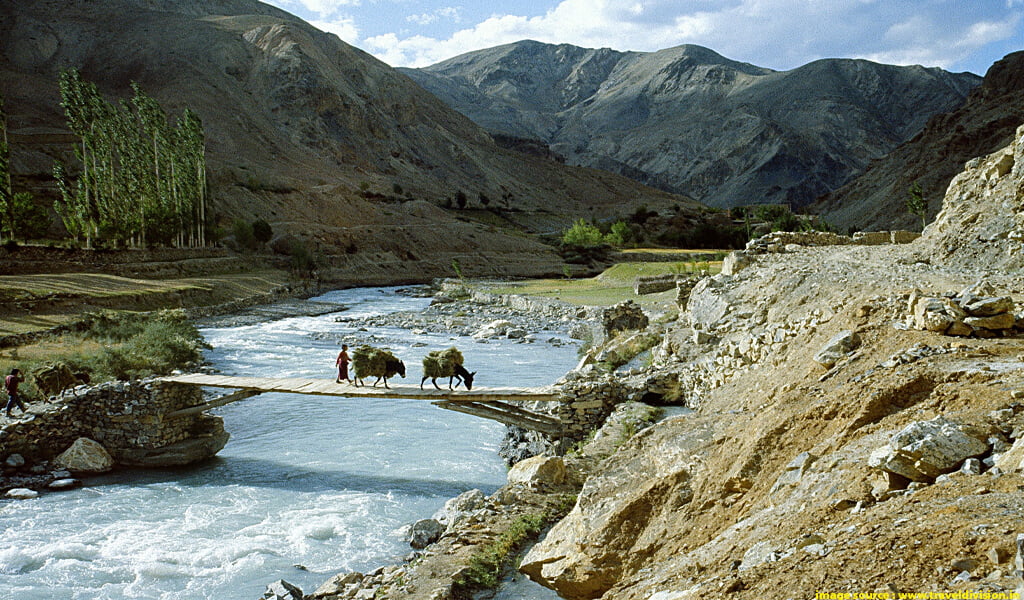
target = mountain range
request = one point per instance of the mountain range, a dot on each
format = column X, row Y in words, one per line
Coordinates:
column 318, row 138
column 690, row 121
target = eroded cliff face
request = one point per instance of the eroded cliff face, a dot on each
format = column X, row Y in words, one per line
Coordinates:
column 768, row 488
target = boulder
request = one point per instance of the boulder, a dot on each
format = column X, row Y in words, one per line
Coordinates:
column 424, row 532
column 64, row 484
column 994, row 323
column 837, row 348
column 85, row 456
column 282, row 590
column 926, row 449
column 493, row 329
column 538, row 471
column 336, row 585
column 707, row 304
column 989, row 307
column 1012, row 460
column 15, row 461
column 459, row 506
column 22, row 494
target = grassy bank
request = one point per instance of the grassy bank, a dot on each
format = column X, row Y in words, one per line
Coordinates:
column 612, row 286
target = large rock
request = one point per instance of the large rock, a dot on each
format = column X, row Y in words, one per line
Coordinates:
column 85, row 456
column 458, row 507
column 1013, row 459
column 208, row 441
column 282, row 590
column 707, row 304
column 837, row 348
column 926, row 449
column 424, row 532
column 538, row 471
column 604, row 535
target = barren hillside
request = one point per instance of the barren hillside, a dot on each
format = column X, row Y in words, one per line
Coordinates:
column 318, row 138
column 847, row 437
column 688, row 120
column 985, row 123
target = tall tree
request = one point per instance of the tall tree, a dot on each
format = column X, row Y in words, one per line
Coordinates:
column 6, row 197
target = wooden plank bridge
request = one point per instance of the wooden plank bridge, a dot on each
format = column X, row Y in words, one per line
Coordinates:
column 488, row 403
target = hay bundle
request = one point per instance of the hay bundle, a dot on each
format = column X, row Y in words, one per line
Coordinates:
column 441, row 363
column 368, row 361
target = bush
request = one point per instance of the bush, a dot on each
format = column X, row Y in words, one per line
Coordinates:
column 139, row 344
column 243, row 234
column 261, row 231
column 583, row 235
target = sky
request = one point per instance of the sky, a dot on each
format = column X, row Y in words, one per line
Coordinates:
column 957, row 35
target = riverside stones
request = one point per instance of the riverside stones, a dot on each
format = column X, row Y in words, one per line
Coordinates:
column 926, row 449
column 424, row 532
column 21, row 494
column 85, row 456
column 282, row 590
column 538, row 471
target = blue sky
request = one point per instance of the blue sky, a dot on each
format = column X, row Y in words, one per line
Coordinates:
column 958, row 35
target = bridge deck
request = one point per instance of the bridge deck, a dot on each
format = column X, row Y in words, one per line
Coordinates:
column 327, row 387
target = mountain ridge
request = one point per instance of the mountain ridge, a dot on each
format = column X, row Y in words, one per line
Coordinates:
column 693, row 122
column 304, row 131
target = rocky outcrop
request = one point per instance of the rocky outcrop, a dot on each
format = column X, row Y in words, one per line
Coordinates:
column 688, row 120
column 982, row 218
column 802, row 471
column 974, row 311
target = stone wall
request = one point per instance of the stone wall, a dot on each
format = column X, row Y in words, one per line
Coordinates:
column 128, row 418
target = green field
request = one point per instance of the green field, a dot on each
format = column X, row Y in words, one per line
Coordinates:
column 612, row 286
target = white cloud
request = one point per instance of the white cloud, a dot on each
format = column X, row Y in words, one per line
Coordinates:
column 781, row 34
column 325, row 8
column 343, row 27
column 450, row 13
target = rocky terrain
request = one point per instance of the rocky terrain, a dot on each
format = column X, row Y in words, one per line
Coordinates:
column 843, row 424
column 690, row 121
column 306, row 132
column 985, row 123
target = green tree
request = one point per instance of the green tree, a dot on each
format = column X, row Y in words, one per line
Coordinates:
column 6, row 199
column 916, row 203
column 243, row 234
column 620, row 234
column 582, row 235
column 261, row 231
column 27, row 219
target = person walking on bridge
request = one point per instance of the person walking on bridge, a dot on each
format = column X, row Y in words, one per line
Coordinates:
column 11, row 386
column 342, row 364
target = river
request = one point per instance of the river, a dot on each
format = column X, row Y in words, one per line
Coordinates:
column 307, row 486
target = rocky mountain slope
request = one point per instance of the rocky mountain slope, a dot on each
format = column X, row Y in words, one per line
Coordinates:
column 318, row 138
column 688, row 120
column 841, row 429
column 985, row 123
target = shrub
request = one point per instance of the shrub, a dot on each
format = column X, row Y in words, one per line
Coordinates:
column 261, row 231
column 582, row 235
column 243, row 234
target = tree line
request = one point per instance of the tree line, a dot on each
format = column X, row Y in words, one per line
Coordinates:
column 142, row 178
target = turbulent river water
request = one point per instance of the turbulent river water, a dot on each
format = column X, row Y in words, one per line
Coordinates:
column 308, row 486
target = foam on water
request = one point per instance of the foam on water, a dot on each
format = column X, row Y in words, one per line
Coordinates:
column 325, row 483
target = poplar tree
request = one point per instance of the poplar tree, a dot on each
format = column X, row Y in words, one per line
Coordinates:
column 142, row 179
column 6, row 197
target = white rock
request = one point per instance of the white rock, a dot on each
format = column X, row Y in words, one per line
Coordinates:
column 85, row 456
column 22, row 494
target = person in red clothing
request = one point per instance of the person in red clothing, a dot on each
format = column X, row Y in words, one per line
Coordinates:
column 11, row 385
column 342, row 363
